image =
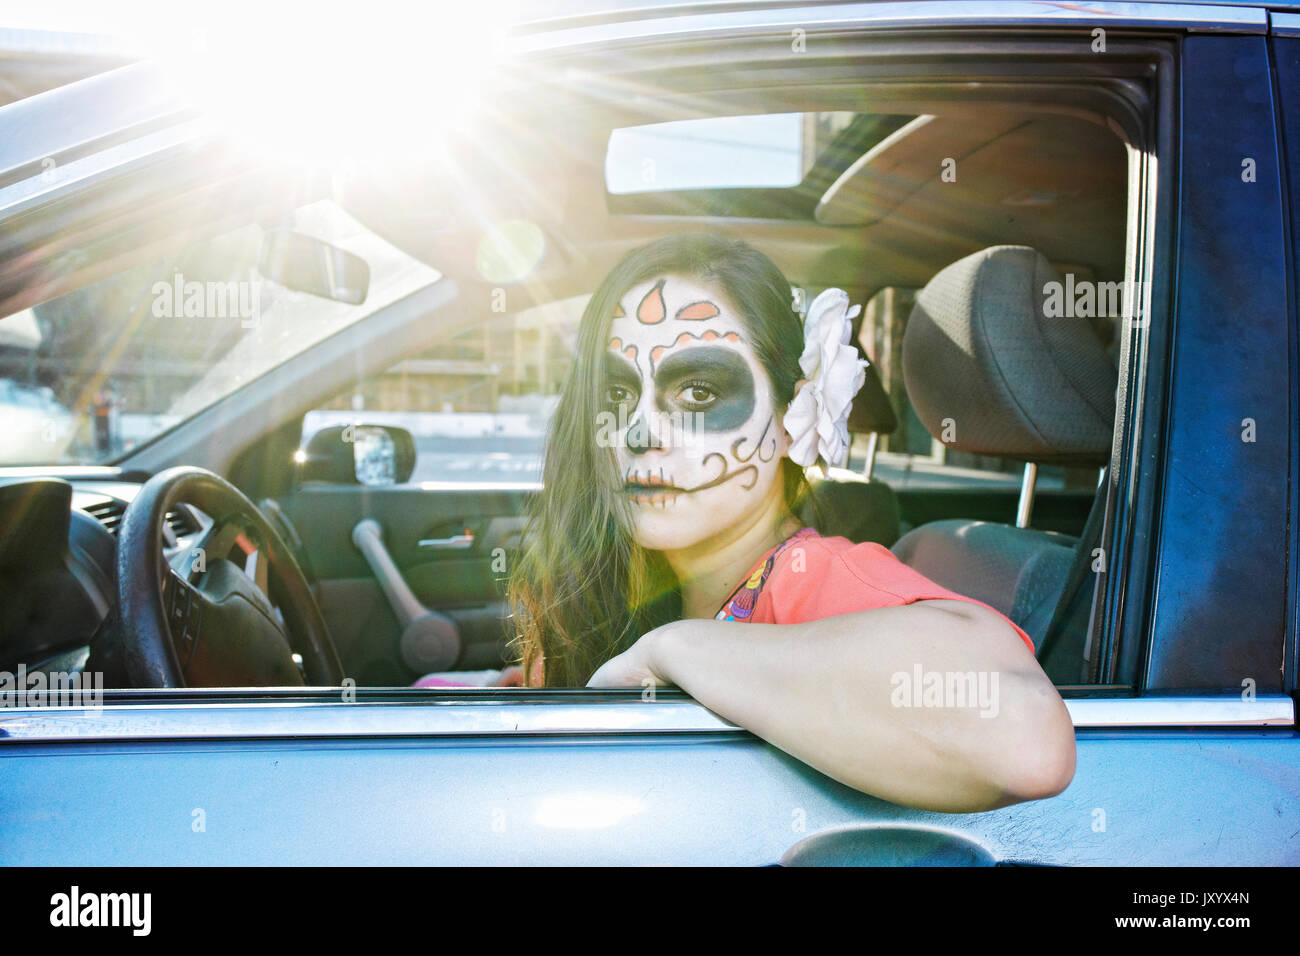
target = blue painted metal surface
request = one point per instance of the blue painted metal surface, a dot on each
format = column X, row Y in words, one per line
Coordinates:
column 1222, row 543
column 1286, row 60
column 1139, row 797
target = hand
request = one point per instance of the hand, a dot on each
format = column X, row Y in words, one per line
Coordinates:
column 636, row 666
column 512, row 676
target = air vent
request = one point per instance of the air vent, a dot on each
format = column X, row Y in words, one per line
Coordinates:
column 108, row 513
column 182, row 523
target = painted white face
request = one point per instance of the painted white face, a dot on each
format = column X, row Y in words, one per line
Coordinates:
column 696, row 434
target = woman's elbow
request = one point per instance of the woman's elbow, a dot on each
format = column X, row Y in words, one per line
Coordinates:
column 1038, row 751
column 1042, row 762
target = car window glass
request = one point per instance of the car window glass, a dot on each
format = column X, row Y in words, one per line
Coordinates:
column 94, row 373
column 477, row 404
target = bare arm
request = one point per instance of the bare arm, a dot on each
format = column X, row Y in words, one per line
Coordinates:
column 839, row 695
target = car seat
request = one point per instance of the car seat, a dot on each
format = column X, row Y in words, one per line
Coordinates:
column 990, row 373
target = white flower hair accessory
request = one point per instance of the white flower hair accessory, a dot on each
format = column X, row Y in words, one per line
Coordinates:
column 818, row 417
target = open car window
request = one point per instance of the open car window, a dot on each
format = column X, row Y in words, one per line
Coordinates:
column 400, row 453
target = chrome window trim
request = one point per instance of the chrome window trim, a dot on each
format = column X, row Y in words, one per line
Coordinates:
column 1285, row 24
column 450, row 718
column 908, row 14
column 1264, row 710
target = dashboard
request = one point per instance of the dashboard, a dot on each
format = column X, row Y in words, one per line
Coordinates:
column 58, row 564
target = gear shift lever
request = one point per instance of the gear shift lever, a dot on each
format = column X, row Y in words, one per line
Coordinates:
column 430, row 641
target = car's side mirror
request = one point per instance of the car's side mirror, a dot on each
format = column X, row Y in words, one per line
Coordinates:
column 358, row 455
column 307, row 264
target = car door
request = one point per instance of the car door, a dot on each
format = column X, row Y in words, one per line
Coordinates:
column 1187, row 751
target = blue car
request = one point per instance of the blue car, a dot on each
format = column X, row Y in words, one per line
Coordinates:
column 306, row 404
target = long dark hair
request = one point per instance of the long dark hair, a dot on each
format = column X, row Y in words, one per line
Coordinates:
column 583, row 590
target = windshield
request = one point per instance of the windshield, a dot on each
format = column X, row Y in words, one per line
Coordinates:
column 93, row 374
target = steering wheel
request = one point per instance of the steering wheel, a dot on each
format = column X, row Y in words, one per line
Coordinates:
column 204, row 620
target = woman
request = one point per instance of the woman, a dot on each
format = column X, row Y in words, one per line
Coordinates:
column 664, row 549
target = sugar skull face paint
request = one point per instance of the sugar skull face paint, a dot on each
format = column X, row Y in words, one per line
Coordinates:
column 698, row 441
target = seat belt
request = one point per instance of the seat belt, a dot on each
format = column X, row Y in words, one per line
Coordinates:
column 1067, row 605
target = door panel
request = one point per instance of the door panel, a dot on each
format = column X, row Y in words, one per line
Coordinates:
column 326, row 514
column 467, row 582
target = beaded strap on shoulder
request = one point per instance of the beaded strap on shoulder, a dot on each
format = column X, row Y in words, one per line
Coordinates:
column 742, row 603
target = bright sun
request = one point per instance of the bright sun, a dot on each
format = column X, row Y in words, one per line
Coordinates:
column 326, row 85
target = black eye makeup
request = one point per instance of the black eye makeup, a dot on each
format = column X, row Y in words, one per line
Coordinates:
column 621, row 384
column 711, row 381
column 696, row 396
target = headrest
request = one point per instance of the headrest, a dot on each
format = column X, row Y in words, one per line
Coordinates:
column 871, row 410
column 989, row 372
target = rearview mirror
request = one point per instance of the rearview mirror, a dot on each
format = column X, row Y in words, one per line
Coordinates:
column 307, row 264
column 372, row 455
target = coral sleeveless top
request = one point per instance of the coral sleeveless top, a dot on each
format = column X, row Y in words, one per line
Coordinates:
column 808, row 577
